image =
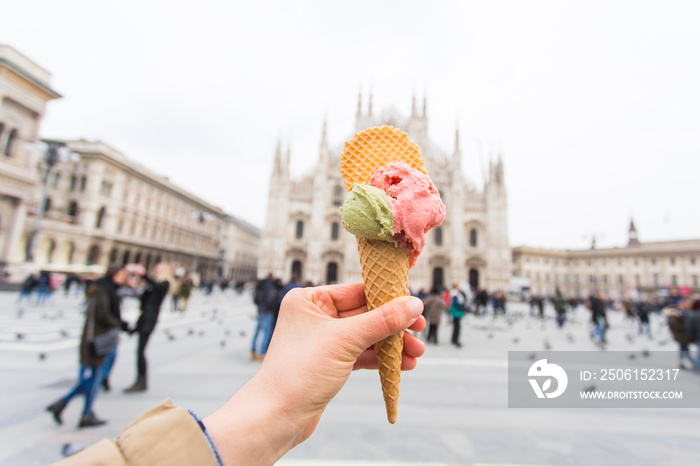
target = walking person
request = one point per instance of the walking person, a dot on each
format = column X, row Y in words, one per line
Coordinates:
column 100, row 318
column 560, row 308
column 185, row 292
column 434, row 307
column 151, row 300
column 457, row 311
column 598, row 317
column 265, row 298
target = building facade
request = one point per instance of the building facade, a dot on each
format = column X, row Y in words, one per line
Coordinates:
column 637, row 271
column 24, row 92
column 303, row 234
column 100, row 208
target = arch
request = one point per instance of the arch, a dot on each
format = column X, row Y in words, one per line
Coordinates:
column 50, row 249
column 438, row 278
column 331, row 273
column 473, row 237
column 93, row 255
column 474, row 279
column 137, row 258
column 126, row 257
column 299, row 229
column 113, row 256
column 297, row 269
column 70, row 252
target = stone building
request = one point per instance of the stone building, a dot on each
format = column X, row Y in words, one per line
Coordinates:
column 100, row 208
column 638, row 270
column 303, row 234
column 24, row 91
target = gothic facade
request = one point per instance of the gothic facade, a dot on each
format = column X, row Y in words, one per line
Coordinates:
column 303, row 234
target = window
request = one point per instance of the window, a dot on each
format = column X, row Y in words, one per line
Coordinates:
column 334, row 231
column 472, row 237
column 338, row 196
column 100, row 217
column 438, row 236
column 10, row 146
column 673, row 261
column 73, row 212
column 50, row 248
column 83, row 183
column 54, row 180
column 73, row 181
column 299, row 229
column 2, row 129
column 106, row 189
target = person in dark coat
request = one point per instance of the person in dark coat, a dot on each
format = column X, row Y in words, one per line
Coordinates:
column 265, row 299
column 434, row 307
column 151, row 300
column 102, row 305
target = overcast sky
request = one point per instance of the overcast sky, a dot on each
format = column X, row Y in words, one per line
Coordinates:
column 595, row 106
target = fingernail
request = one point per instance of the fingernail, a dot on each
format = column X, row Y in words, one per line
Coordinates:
column 416, row 306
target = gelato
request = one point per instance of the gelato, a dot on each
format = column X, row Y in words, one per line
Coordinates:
column 366, row 213
column 415, row 204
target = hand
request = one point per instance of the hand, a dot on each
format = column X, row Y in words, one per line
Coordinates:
column 321, row 336
column 136, row 269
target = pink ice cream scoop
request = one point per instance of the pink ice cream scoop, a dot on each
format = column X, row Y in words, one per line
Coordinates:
column 415, row 204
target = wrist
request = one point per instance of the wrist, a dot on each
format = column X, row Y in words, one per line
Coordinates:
column 254, row 427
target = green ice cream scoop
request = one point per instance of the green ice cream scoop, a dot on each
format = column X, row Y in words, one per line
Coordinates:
column 366, row 213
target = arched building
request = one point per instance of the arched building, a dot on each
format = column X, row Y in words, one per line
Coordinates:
column 303, row 234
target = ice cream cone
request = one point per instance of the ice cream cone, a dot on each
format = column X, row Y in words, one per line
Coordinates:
column 385, row 273
column 384, row 264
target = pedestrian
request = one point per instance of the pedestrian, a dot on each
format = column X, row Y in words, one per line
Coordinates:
column 186, row 291
column 102, row 305
column 43, row 285
column 434, row 307
column 265, row 298
column 457, row 311
column 156, row 288
column 28, row 286
column 643, row 309
column 559, row 304
column 281, row 405
column 598, row 317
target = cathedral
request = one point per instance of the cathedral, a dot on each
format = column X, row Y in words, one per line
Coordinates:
column 303, row 235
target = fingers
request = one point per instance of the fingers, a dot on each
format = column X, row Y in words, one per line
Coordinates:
column 413, row 348
column 388, row 319
column 340, row 297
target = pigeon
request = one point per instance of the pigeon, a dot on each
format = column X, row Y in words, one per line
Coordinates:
column 589, row 389
column 190, row 332
column 570, row 338
column 632, row 356
column 42, row 356
column 20, row 336
column 223, row 343
column 64, row 334
column 547, row 345
column 516, row 340
column 171, row 337
column 646, row 353
column 242, row 333
column 490, row 335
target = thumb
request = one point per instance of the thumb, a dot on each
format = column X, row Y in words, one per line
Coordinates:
column 384, row 321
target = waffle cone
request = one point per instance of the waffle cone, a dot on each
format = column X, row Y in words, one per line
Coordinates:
column 374, row 148
column 385, row 273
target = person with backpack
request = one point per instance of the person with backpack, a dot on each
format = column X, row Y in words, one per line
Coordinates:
column 458, row 304
column 676, row 317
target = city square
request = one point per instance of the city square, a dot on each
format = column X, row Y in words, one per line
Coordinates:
column 453, row 407
column 191, row 162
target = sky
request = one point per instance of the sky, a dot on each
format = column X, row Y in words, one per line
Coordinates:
column 593, row 106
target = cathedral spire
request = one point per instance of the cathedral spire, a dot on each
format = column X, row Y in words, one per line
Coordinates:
column 278, row 157
column 457, row 156
column 413, row 106
column 425, row 106
column 359, row 104
column 633, row 240
column 369, row 110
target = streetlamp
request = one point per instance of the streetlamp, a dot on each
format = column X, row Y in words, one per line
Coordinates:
column 53, row 153
column 201, row 217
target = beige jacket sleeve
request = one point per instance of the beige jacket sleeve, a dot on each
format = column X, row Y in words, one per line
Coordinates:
column 163, row 435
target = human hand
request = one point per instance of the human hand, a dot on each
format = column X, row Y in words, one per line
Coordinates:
column 321, row 336
column 136, row 269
